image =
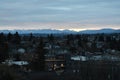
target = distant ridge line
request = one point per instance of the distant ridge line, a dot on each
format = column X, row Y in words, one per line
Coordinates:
column 51, row 31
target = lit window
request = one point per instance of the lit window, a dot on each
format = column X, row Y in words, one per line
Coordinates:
column 62, row 65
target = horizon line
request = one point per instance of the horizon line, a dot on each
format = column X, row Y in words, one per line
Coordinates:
column 75, row 30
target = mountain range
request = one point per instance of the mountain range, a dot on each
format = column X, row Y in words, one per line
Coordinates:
column 50, row 31
column 100, row 31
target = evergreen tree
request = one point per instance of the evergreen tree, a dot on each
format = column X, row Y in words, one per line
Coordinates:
column 70, row 40
column 38, row 63
column 4, row 52
column 79, row 42
column 51, row 38
column 3, row 48
column 31, row 37
column 2, row 38
column 17, row 38
column 9, row 37
column 101, row 37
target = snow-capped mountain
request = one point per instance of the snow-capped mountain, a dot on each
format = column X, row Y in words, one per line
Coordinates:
column 50, row 31
column 100, row 31
column 41, row 31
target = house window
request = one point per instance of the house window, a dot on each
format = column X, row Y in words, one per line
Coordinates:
column 62, row 65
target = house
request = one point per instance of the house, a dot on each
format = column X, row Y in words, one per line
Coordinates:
column 55, row 61
column 18, row 65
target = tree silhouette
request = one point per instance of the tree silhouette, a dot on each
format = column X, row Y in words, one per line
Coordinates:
column 51, row 38
column 38, row 63
column 3, row 48
column 101, row 37
column 31, row 37
column 9, row 37
column 17, row 38
column 4, row 51
column 2, row 38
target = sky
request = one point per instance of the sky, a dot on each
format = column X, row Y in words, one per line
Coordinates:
column 59, row 14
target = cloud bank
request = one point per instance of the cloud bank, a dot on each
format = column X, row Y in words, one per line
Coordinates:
column 65, row 14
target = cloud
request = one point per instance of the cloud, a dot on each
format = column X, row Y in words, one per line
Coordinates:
column 103, row 12
column 59, row 8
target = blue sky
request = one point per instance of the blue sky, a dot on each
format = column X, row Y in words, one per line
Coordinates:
column 59, row 14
